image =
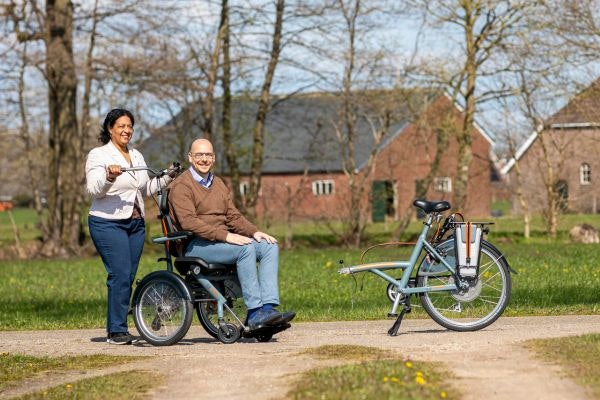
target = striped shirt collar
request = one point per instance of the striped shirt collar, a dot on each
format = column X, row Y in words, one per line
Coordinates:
column 204, row 182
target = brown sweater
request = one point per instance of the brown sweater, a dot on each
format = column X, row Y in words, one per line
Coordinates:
column 209, row 213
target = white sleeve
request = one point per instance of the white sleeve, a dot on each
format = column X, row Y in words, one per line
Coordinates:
column 95, row 174
column 151, row 186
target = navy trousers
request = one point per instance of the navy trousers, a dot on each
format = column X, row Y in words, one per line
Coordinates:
column 120, row 244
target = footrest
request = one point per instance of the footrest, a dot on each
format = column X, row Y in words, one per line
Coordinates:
column 266, row 330
column 391, row 315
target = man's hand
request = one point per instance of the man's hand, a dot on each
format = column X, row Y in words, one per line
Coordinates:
column 234, row 238
column 258, row 236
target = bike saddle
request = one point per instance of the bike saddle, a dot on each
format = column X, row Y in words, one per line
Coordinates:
column 432, row 206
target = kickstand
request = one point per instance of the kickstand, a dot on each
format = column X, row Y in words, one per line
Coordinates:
column 393, row 331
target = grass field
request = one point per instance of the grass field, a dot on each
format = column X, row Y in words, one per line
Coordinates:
column 554, row 277
column 53, row 294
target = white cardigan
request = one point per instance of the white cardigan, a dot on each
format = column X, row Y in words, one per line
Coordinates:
column 114, row 200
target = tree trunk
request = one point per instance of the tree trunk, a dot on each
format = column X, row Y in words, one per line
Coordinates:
column 261, row 114
column 64, row 158
column 230, row 154
column 465, row 151
column 29, row 152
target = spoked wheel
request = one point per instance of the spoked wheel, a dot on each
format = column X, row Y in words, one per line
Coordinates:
column 162, row 311
column 475, row 307
column 207, row 309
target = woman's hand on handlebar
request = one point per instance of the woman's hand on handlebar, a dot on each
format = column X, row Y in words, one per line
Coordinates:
column 112, row 171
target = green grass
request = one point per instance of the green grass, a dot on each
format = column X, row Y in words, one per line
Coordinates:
column 370, row 373
column 578, row 355
column 70, row 294
column 554, row 277
column 25, row 220
column 15, row 367
column 121, row 386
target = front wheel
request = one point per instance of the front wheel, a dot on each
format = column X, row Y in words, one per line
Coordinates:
column 162, row 310
column 473, row 308
column 206, row 307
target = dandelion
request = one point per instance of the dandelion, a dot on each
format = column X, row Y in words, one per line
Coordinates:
column 69, row 386
column 408, row 364
column 420, row 380
column 443, row 395
column 394, row 379
column 328, row 264
column 385, row 379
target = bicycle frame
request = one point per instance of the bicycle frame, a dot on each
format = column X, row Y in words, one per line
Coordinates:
column 408, row 267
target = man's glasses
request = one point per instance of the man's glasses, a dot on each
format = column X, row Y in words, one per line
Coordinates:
column 200, row 156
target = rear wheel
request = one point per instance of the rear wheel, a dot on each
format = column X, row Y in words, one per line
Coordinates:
column 162, row 312
column 472, row 308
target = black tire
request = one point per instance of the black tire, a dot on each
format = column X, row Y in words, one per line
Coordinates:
column 162, row 309
column 231, row 334
column 476, row 307
column 206, row 308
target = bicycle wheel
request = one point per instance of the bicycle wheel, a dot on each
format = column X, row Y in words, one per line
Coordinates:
column 162, row 311
column 473, row 308
column 206, row 308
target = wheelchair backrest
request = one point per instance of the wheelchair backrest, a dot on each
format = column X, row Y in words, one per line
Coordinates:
column 176, row 247
column 163, row 208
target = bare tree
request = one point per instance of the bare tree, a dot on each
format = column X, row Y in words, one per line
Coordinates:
column 485, row 27
column 55, row 28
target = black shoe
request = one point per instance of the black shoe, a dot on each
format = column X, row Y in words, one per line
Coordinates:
column 120, row 338
column 287, row 316
column 134, row 339
column 263, row 318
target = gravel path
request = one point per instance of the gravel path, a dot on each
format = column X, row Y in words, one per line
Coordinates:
column 490, row 364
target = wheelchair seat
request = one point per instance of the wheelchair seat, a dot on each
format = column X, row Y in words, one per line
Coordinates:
column 176, row 242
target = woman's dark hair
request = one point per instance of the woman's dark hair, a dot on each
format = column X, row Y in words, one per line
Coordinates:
column 109, row 122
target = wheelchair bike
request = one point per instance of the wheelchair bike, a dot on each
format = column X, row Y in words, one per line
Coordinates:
column 163, row 301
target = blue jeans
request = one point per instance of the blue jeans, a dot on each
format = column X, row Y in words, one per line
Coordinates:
column 120, row 244
column 259, row 285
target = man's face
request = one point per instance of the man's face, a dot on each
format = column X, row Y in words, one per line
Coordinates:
column 202, row 157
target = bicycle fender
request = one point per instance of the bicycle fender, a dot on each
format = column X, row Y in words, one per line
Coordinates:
column 502, row 257
column 166, row 275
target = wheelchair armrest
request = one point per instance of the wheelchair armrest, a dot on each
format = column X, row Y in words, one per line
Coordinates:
column 179, row 235
column 186, row 234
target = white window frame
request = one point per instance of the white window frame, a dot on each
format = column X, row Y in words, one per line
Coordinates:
column 323, row 187
column 244, row 188
column 442, row 184
column 585, row 174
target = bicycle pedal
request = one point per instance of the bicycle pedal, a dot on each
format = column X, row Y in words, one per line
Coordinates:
column 392, row 315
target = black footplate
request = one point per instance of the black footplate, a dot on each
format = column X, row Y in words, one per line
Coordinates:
column 265, row 333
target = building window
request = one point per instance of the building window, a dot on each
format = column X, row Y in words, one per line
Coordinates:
column 443, row 184
column 244, row 188
column 585, row 174
column 322, row 188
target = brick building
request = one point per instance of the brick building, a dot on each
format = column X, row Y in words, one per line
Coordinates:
column 571, row 138
column 302, row 171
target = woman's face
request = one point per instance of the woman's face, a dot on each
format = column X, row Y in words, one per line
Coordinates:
column 121, row 131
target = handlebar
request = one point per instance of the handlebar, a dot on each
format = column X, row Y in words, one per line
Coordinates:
column 176, row 167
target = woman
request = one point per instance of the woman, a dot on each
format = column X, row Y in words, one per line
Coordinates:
column 116, row 217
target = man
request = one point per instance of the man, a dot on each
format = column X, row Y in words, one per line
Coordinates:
column 201, row 202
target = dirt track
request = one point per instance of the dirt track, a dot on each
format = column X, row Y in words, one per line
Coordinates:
column 489, row 364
